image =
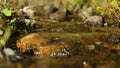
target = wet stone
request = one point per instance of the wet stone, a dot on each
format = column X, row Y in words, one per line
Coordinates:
column 30, row 41
column 41, row 46
column 57, row 16
column 53, row 50
column 50, row 9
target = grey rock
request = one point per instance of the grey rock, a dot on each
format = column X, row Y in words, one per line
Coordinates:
column 61, row 15
column 9, row 52
column 95, row 20
column 86, row 13
column 28, row 11
column 1, row 56
column 50, row 9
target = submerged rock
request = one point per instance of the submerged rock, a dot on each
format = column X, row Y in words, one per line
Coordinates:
column 40, row 46
column 30, row 41
column 53, row 50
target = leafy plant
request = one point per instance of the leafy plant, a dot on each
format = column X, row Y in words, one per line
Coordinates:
column 107, row 7
column 71, row 4
column 8, row 17
column 9, row 14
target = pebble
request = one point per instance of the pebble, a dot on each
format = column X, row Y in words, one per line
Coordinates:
column 30, row 42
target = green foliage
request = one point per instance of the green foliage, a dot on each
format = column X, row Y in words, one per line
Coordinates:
column 8, row 15
column 104, row 7
column 5, row 37
column 107, row 7
column 12, row 21
column 8, row 11
column 71, row 4
column 114, row 4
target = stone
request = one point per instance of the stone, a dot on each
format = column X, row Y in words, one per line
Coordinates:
column 53, row 50
column 59, row 16
column 41, row 46
column 30, row 41
column 50, row 9
column 95, row 20
column 86, row 13
column 9, row 52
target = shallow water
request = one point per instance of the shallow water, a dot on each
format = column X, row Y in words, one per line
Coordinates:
column 90, row 49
